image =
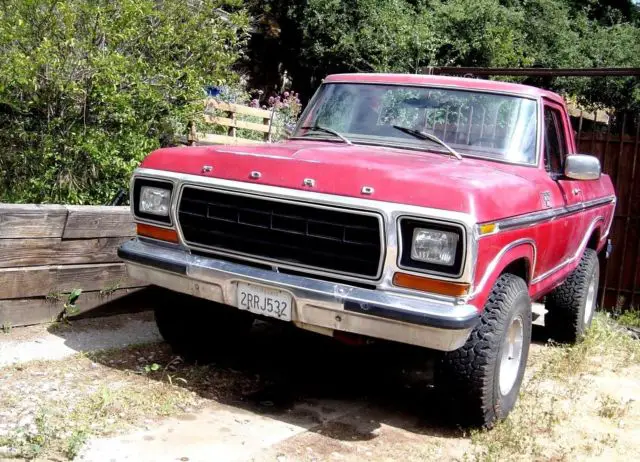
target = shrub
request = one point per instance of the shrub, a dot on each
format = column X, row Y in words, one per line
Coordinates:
column 89, row 87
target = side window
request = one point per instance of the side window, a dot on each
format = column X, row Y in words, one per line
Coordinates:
column 555, row 147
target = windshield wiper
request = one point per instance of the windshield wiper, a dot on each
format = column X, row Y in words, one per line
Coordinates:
column 428, row 136
column 327, row 130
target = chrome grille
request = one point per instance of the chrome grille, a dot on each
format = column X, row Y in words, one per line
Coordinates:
column 300, row 235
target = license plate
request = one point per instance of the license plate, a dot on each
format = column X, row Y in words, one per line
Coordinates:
column 267, row 302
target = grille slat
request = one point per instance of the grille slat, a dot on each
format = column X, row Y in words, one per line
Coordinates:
column 301, row 235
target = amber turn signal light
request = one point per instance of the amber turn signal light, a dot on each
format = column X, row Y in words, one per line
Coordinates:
column 155, row 232
column 409, row 281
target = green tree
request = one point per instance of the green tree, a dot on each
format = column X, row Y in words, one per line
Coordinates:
column 314, row 38
column 88, row 87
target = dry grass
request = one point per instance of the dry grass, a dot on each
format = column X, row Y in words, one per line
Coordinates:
column 96, row 395
column 613, row 408
column 557, row 393
column 571, row 405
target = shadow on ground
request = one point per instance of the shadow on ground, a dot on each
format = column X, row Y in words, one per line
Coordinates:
column 295, row 376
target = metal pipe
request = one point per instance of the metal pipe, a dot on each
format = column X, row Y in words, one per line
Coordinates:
column 626, row 225
column 604, row 158
column 629, row 208
column 541, row 71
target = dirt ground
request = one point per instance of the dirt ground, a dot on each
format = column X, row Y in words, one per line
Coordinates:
column 295, row 396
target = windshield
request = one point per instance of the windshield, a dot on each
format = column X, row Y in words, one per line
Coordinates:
column 492, row 126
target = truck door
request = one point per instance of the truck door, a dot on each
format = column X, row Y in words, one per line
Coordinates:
column 557, row 145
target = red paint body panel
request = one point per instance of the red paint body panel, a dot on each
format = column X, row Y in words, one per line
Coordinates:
column 397, row 175
column 488, row 191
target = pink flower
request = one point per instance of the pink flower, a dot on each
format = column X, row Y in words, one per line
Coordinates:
column 286, row 94
column 255, row 103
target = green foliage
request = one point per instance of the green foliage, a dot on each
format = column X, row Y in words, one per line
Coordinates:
column 70, row 308
column 630, row 318
column 151, row 367
column 363, row 35
column 88, row 88
column 75, row 443
column 319, row 37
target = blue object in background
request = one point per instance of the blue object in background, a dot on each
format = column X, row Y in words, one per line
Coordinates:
column 212, row 91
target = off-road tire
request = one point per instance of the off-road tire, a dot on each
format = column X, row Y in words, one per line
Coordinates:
column 198, row 329
column 566, row 304
column 471, row 374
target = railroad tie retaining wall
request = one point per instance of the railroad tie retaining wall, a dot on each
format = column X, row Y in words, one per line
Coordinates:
column 46, row 251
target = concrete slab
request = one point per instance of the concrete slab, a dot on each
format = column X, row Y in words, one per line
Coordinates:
column 220, row 433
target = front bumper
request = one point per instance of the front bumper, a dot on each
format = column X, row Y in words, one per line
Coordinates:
column 320, row 306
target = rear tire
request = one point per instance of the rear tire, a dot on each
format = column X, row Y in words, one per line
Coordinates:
column 197, row 329
column 570, row 307
column 484, row 375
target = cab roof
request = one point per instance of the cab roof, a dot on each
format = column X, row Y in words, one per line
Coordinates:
column 455, row 82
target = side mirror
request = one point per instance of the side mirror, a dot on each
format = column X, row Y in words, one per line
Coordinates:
column 582, row 167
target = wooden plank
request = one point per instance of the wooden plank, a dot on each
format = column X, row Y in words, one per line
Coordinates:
column 237, row 123
column 238, row 109
column 29, row 220
column 206, row 138
column 27, row 311
column 45, row 280
column 51, row 251
column 87, row 221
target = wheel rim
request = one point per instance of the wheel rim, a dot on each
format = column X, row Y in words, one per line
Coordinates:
column 591, row 301
column 511, row 355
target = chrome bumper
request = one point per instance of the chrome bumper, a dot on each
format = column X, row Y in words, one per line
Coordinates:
column 320, row 306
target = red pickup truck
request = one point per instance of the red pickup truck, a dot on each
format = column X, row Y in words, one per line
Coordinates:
column 425, row 210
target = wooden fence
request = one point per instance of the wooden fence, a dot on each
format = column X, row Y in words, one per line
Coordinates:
column 617, row 145
column 261, row 122
column 46, row 251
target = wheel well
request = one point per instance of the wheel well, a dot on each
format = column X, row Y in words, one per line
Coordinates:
column 594, row 239
column 520, row 267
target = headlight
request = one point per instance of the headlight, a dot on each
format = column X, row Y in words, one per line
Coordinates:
column 432, row 246
column 151, row 200
column 155, row 201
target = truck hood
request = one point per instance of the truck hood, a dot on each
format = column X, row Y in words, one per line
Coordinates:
column 482, row 188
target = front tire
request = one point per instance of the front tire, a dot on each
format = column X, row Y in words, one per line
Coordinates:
column 484, row 375
column 197, row 329
column 570, row 307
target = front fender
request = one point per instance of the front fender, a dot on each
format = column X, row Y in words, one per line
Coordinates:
column 493, row 259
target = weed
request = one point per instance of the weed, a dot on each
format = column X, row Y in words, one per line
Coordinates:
column 110, row 289
column 148, row 368
column 75, row 442
column 612, row 408
column 6, row 327
column 604, row 339
column 171, row 378
column 70, row 308
column 54, row 296
column 31, row 441
column 630, row 318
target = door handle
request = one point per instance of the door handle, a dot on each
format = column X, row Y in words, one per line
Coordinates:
column 576, row 191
